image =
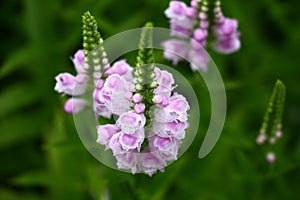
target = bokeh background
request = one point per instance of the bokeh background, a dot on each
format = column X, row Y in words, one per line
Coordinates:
column 42, row 156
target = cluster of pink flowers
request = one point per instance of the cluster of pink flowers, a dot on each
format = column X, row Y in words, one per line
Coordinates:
column 190, row 27
column 74, row 86
column 112, row 95
column 143, row 143
column 140, row 142
column 116, row 85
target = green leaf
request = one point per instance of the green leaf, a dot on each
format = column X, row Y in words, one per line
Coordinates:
column 33, row 178
column 19, row 59
column 19, row 128
column 18, row 96
column 13, row 195
column 96, row 181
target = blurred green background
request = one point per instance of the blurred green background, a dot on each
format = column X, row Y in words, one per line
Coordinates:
column 42, row 156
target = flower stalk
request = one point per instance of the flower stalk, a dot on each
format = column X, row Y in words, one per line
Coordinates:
column 271, row 129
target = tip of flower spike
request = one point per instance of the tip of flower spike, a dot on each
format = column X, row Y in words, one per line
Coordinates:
column 279, row 83
column 148, row 24
column 90, row 33
column 273, row 115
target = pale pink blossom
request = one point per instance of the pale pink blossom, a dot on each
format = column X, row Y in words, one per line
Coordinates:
column 228, row 44
column 271, row 157
column 128, row 161
column 175, row 50
column 226, row 28
column 132, row 141
column 121, row 68
column 139, row 108
column 130, row 122
column 105, row 132
column 115, row 145
column 78, row 60
column 151, row 162
column 74, row 105
column 198, row 59
column 176, row 10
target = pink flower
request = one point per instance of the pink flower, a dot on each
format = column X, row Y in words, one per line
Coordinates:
column 278, row 134
column 261, row 138
column 200, row 34
column 151, row 162
column 176, row 10
column 139, row 108
column 161, row 143
column 101, row 109
column 226, row 28
column 182, row 18
column 179, row 30
column 172, row 152
column 176, row 129
column 128, row 161
column 112, row 82
column 198, row 59
column 137, row 98
column 175, row 110
column 74, row 105
column 105, row 132
column 120, row 100
column 166, row 147
column 165, row 82
column 175, row 50
column 191, row 12
column 197, row 45
column 178, row 107
column 132, row 141
column 115, row 94
column 163, row 77
column 227, row 45
column 227, row 36
column 130, row 122
column 271, row 157
column 186, row 23
column 67, row 84
column 78, row 60
column 115, row 145
column 121, row 68
column 157, row 99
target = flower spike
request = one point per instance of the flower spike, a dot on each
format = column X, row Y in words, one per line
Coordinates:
column 273, row 115
column 271, row 126
column 198, row 26
column 150, row 117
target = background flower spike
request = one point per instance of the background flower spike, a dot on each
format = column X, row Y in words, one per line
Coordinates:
column 273, row 115
column 271, row 131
